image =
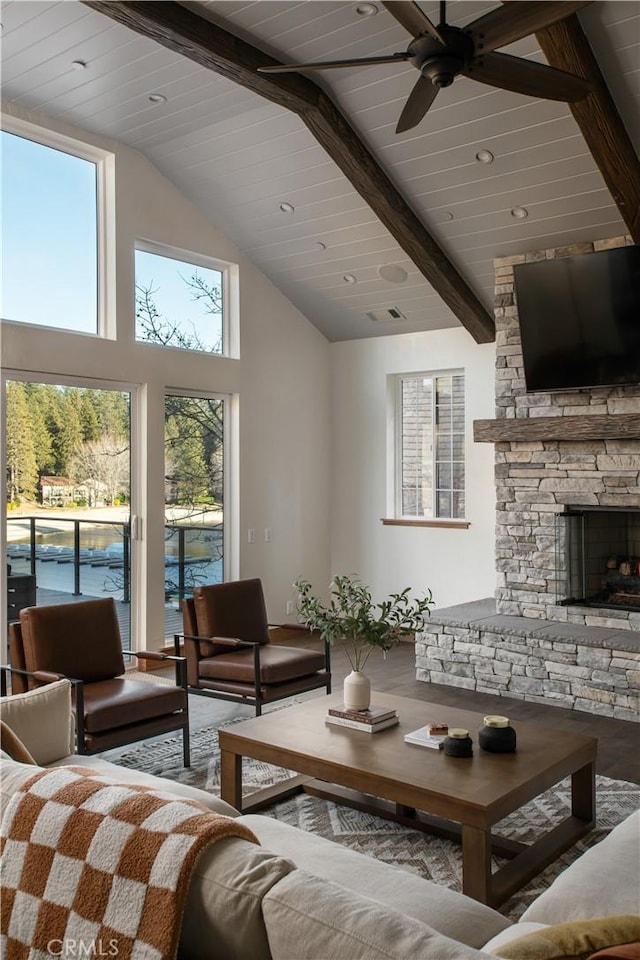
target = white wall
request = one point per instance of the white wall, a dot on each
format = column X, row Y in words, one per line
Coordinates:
column 281, row 381
column 456, row 564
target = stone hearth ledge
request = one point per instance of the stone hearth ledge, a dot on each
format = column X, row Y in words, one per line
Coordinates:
column 596, row 669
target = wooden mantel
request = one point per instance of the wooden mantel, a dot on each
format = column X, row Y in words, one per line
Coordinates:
column 621, row 426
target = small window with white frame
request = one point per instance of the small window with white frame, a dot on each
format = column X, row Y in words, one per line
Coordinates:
column 429, row 442
column 183, row 300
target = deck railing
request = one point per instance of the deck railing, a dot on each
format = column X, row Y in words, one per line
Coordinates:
column 183, row 570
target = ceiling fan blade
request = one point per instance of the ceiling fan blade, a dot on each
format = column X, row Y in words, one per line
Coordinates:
column 412, row 19
column 515, row 20
column 528, row 77
column 420, row 99
column 332, row 64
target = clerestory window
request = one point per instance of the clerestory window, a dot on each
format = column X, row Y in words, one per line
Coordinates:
column 182, row 300
column 51, row 243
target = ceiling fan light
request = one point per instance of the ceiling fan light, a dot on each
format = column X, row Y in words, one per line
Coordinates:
column 441, row 70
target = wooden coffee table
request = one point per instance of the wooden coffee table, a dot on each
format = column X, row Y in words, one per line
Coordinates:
column 455, row 798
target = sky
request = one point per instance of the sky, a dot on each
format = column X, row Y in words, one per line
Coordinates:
column 49, row 248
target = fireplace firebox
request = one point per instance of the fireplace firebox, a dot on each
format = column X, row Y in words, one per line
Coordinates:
column 598, row 557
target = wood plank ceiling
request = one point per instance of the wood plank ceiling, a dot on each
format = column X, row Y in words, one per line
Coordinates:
column 239, row 156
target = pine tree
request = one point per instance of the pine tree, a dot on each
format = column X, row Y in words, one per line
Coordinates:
column 67, row 429
column 38, row 403
column 22, row 469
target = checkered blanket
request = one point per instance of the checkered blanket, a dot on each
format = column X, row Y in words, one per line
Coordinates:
column 92, row 867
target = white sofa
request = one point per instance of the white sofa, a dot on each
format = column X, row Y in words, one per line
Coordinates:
column 300, row 897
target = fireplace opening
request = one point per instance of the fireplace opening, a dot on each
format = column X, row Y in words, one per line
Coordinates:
column 598, row 557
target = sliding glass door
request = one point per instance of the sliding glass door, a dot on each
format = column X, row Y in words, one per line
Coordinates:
column 194, row 498
column 68, row 495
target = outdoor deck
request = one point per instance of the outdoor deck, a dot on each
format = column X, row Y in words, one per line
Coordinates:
column 172, row 621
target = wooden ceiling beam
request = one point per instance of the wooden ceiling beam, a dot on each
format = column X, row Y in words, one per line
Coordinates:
column 209, row 45
column 566, row 46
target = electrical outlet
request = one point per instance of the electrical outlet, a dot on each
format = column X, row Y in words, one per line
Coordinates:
column 252, row 535
column 290, row 607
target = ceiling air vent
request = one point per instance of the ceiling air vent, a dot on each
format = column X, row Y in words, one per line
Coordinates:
column 389, row 313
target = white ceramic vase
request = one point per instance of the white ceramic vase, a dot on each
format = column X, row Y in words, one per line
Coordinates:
column 357, row 691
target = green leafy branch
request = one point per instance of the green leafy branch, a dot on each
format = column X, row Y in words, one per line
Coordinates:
column 352, row 616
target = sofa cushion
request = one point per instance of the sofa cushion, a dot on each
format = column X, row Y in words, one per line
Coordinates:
column 312, row 919
column 12, row 746
column 573, row 941
column 127, row 775
column 604, row 881
column 448, row 912
column 223, row 915
column 43, row 721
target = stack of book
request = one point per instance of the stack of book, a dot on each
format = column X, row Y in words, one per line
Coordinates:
column 371, row 721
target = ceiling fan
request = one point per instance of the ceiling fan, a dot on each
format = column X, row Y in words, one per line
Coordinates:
column 443, row 52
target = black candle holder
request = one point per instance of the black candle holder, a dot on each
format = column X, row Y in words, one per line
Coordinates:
column 458, row 743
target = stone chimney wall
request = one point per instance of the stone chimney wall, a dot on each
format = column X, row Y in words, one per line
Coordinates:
column 536, row 479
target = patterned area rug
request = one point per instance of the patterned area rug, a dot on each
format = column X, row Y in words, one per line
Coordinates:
column 430, row 857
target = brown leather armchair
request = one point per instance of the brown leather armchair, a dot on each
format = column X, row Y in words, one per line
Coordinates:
column 81, row 641
column 229, row 651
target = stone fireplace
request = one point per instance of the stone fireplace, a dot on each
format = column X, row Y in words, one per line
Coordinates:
column 598, row 558
column 563, row 626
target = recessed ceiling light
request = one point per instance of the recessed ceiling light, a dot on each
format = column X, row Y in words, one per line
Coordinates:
column 366, row 9
column 287, row 207
column 79, row 64
column 393, row 273
column 520, row 213
column 349, row 278
column 484, row 156
column 320, row 245
column 444, row 217
column 157, row 98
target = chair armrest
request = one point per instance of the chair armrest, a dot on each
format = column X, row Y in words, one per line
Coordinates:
column 150, row 655
column 42, row 676
column 223, row 641
column 192, row 649
column 180, row 662
column 47, row 676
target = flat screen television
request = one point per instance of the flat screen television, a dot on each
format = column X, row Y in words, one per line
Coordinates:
column 580, row 320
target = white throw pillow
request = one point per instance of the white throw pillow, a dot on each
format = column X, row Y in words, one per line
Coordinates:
column 603, row 882
column 43, row 720
column 515, row 932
